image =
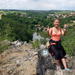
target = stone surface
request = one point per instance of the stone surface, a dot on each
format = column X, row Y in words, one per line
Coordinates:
column 18, row 61
column 23, row 61
column 61, row 72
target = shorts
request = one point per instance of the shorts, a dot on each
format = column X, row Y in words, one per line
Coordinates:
column 57, row 51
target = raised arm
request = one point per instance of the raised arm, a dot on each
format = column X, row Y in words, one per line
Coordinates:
column 49, row 30
column 64, row 30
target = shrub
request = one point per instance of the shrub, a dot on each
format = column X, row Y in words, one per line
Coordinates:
column 36, row 44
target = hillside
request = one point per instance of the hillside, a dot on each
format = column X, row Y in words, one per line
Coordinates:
column 24, row 60
column 19, row 25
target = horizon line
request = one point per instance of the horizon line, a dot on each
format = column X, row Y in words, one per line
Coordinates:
column 41, row 9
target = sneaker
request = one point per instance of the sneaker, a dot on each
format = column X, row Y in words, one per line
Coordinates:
column 67, row 69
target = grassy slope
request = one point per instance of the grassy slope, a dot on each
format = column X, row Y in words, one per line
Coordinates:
column 69, row 41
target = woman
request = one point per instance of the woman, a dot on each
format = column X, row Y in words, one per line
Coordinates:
column 56, row 49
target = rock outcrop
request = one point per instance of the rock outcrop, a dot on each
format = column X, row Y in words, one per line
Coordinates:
column 23, row 61
column 18, row 61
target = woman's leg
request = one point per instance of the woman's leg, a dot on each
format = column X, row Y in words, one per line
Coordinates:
column 58, row 65
column 64, row 63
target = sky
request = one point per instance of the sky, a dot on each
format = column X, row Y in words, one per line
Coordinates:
column 38, row 4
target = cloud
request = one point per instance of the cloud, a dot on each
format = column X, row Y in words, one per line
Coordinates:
column 38, row 4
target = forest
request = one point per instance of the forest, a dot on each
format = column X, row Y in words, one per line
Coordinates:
column 20, row 25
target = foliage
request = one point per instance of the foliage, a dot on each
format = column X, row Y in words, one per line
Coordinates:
column 4, row 45
column 36, row 44
column 20, row 25
column 69, row 41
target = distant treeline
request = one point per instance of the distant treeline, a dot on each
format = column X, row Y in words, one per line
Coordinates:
column 21, row 25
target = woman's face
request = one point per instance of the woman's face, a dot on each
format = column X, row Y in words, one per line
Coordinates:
column 56, row 23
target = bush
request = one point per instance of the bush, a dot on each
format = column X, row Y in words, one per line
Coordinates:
column 36, row 44
column 69, row 41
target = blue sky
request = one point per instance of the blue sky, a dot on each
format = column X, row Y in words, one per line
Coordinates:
column 38, row 4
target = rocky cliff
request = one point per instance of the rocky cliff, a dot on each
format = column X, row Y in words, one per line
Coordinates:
column 23, row 61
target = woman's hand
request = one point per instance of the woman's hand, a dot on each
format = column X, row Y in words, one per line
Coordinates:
column 47, row 29
column 64, row 30
column 65, row 26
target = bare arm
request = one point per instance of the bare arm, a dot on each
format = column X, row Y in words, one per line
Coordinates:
column 64, row 30
column 50, row 31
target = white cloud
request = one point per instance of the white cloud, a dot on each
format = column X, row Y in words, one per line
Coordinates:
column 37, row 4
